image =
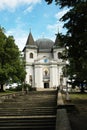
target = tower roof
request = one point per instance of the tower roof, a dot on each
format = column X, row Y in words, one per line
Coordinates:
column 30, row 40
column 58, row 42
column 43, row 44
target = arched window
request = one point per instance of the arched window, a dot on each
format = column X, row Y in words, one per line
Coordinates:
column 30, row 78
column 59, row 55
column 31, row 55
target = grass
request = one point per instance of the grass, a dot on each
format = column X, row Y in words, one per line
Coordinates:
column 78, row 96
column 80, row 101
column 7, row 92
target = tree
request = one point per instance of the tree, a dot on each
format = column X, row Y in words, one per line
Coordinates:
column 77, row 41
column 76, row 38
column 11, row 65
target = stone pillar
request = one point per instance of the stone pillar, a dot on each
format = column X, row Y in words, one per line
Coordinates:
column 38, row 76
column 53, row 76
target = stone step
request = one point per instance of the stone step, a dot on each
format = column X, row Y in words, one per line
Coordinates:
column 15, row 127
column 15, row 105
column 29, row 107
column 33, row 111
column 45, row 96
column 27, row 123
column 27, row 119
column 31, row 122
column 25, row 113
column 30, row 100
column 28, row 103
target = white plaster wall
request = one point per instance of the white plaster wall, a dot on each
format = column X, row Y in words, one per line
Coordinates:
column 40, row 55
column 37, row 72
column 60, row 72
column 58, row 75
column 27, row 76
column 29, row 71
column 55, row 54
column 28, row 51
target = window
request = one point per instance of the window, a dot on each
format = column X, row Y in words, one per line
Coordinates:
column 45, row 60
column 30, row 78
column 31, row 55
column 59, row 55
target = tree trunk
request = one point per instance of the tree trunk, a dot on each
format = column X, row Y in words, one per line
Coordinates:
column 1, row 89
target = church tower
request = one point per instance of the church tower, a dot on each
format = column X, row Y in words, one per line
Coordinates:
column 30, row 54
column 58, row 48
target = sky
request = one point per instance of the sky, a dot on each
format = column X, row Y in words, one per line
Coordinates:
column 19, row 17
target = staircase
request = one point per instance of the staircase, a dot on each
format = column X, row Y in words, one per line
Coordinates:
column 33, row 111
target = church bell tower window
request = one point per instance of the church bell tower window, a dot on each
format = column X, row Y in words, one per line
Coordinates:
column 59, row 55
column 31, row 55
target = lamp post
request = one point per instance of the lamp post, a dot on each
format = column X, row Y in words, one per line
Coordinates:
column 31, row 80
column 61, row 82
column 67, row 93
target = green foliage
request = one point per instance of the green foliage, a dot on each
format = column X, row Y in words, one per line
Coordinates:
column 27, row 87
column 75, row 21
column 64, row 3
column 11, row 65
column 49, row 1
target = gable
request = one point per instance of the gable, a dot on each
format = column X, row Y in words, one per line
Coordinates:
column 43, row 60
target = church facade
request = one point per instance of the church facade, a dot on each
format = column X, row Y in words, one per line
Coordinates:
column 43, row 64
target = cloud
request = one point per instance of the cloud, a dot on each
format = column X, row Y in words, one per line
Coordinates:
column 58, row 26
column 19, row 23
column 61, row 13
column 20, row 36
column 29, row 9
column 13, row 4
column 51, row 27
column 21, row 41
column 55, row 27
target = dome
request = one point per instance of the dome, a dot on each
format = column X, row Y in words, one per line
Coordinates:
column 44, row 43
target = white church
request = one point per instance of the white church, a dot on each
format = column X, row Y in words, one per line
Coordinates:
column 43, row 64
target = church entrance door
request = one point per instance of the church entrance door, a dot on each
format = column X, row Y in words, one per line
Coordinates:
column 46, row 85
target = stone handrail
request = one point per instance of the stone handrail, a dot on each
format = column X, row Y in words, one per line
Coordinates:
column 62, row 120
